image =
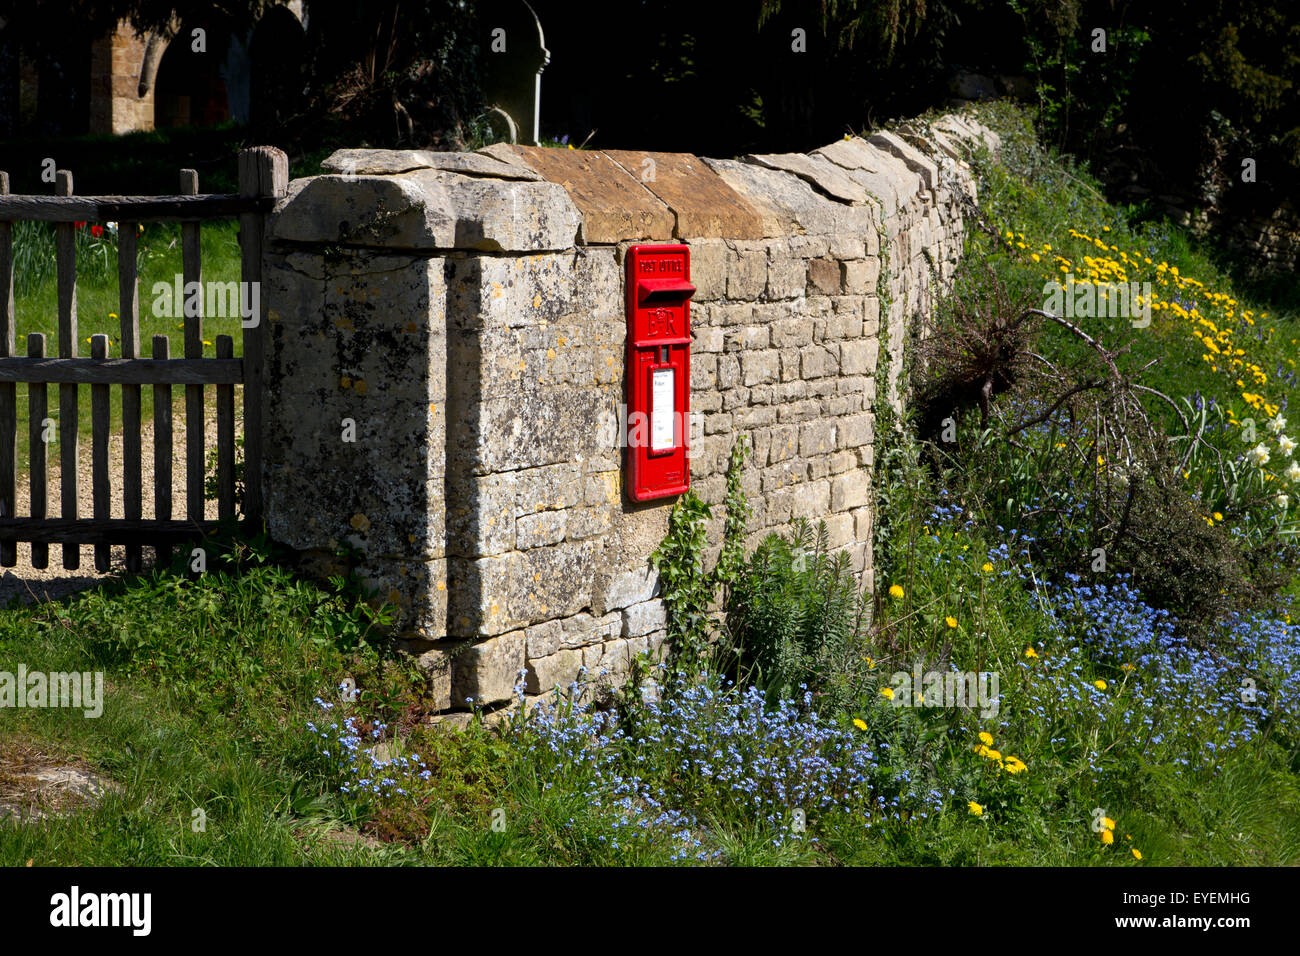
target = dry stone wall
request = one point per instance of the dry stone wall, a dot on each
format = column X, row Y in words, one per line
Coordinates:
column 447, row 351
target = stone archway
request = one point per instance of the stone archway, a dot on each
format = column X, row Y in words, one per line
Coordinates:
column 190, row 88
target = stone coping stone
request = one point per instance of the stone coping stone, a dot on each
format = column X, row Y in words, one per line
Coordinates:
column 916, row 161
column 817, row 170
column 884, row 176
column 788, row 205
column 427, row 209
column 386, row 162
column 615, row 206
column 705, row 206
column 967, row 129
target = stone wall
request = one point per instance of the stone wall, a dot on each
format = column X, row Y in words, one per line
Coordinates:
column 446, row 352
column 116, row 105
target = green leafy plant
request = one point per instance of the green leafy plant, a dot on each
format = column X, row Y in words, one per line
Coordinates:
column 796, row 619
column 686, row 588
column 689, row 590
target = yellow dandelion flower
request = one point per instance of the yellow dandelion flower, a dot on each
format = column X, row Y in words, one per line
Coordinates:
column 1137, row 854
column 859, row 723
column 1030, row 652
column 895, row 592
column 1099, row 684
column 1015, row 765
column 986, row 738
column 975, row 809
column 950, row 621
column 1107, row 837
column 986, row 567
column 887, row 693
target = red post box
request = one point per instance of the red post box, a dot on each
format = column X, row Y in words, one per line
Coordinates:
column 658, row 371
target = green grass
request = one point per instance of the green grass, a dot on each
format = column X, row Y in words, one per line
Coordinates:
column 210, row 684
column 98, row 305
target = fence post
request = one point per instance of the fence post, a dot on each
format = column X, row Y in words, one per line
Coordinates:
column 66, row 239
column 263, row 172
column 8, row 391
column 192, row 269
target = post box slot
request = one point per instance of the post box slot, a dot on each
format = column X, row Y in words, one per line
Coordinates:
column 650, row 291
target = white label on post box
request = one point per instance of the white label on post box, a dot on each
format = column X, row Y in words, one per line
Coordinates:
column 662, row 417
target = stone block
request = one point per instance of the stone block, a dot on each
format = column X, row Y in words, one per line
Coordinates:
column 427, row 209
column 817, row 171
column 746, row 271
column 641, row 619
column 850, row 490
column 538, row 530
column 914, row 158
column 558, row 670
column 708, row 269
column 625, row 588
column 703, row 204
column 487, row 672
column 614, row 205
column 760, row 367
column 786, row 278
column 792, row 332
column 824, row 276
column 817, row 438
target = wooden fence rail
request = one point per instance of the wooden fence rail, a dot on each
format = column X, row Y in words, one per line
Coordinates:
column 263, row 177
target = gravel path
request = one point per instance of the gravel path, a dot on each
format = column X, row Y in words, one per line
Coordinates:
column 32, row 584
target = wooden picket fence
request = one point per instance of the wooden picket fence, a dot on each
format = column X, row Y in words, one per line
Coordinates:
column 263, row 177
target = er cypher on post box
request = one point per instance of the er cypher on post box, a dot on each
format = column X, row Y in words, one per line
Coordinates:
column 658, row 370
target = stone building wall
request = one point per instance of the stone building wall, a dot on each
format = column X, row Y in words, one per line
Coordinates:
column 447, row 351
column 116, row 105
